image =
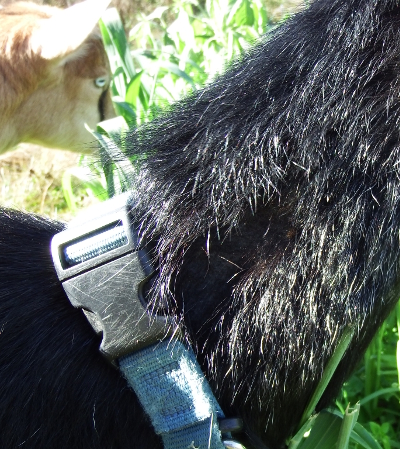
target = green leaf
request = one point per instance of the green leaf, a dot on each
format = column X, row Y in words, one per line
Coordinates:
column 115, row 42
column 260, row 17
column 66, row 184
column 378, row 393
column 157, row 13
column 361, row 436
column 398, row 342
column 125, row 110
column 173, row 68
column 87, row 179
column 305, row 429
column 112, row 128
column 328, row 372
column 349, row 420
column 324, row 433
column 241, row 14
column 133, row 89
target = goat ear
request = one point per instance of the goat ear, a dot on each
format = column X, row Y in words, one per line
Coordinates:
column 65, row 31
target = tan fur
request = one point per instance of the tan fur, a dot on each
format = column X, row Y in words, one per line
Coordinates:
column 47, row 100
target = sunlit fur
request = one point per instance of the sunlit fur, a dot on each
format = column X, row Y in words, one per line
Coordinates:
column 48, row 101
column 293, row 154
column 271, row 199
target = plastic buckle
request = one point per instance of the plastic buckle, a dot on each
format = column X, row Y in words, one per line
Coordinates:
column 102, row 269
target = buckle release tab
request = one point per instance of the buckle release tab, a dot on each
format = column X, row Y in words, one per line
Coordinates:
column 102, row 269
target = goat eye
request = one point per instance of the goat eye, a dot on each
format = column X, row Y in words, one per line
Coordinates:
column 100, row 82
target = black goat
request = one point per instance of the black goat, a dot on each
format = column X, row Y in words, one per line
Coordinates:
column 272, row 198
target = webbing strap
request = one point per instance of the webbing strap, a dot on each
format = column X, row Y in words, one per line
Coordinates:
column 175, row 394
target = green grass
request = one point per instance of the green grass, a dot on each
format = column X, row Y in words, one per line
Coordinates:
column 375, row 384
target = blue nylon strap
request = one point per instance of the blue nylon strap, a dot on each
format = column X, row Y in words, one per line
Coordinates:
column 175, row 394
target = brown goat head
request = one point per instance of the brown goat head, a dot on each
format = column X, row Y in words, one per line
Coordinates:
column 54, row 75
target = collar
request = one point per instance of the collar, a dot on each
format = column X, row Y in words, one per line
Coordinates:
column 98, row 259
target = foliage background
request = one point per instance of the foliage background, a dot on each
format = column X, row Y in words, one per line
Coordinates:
column 31, row 177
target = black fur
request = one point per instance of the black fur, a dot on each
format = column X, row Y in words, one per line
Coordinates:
column 272, row 197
